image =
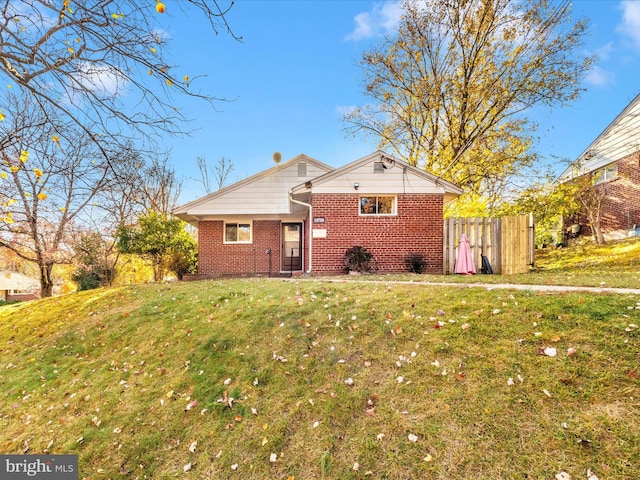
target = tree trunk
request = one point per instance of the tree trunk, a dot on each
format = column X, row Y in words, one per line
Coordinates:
column 596, row 228
column 46, row 280
column 597, row 234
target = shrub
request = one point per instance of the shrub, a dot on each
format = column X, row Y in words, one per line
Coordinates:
column 415, row 263
column 358, row 259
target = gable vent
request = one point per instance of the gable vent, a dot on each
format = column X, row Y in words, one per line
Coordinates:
column 302, row 169
column 378, row 167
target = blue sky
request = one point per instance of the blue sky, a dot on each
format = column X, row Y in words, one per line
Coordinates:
column 297, row 69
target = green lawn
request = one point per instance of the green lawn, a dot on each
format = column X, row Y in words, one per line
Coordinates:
column 310, row 379
column 616, row 265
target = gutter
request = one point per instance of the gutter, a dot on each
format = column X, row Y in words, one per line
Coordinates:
column 291, row 199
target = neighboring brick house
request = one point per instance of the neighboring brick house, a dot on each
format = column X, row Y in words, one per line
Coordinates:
column 17, row 287
column 302, row 215
column 613, row 161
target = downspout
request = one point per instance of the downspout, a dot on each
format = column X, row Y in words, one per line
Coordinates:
column 308, row 227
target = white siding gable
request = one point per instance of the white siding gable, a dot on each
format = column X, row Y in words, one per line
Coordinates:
column 620, row 139
column 397, row 178
column 266, row 193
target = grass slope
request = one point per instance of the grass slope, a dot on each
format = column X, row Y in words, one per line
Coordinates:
column 616, row 265
column 328, row 380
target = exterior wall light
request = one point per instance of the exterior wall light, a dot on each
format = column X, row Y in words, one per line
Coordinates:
column 356, row 185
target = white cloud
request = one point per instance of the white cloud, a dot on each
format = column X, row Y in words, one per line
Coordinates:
column 599, row 77
column 604, row 52
column 382, row 19
column 102, row 79
column 630, row 25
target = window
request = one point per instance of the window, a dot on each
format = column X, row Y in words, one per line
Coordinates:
column 605, row 174
column 378, row 205
column 237, row 232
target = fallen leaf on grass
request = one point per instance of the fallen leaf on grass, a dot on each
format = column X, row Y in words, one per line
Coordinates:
column 546, row 392
column 563, row 476
column 571, row 351
column 226, row 399
column 349, row 381
column 412, row 438
column 190, row 405
column 548, row 351
column 273, row 458
column 187, row 467
column 279, row 358
column 428, row 458
column 192, row 447
column 356, row 466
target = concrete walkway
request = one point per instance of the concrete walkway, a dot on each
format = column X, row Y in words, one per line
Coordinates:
column 487, row 286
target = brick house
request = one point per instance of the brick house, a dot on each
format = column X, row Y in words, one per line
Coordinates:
column 302, row 215
column 613, row 161
column 17, row 287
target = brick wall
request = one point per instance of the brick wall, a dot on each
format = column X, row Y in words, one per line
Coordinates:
column 217, row 258
column 22, row 297
column 416, row 229
column 621, row 207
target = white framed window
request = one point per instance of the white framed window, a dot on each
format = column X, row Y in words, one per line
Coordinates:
column 605, row 174
column 238, row 232
column 378, row 205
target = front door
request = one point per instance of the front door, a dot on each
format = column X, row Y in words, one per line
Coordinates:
column 291, row 247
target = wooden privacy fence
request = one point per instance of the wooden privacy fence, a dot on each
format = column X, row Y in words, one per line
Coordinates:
column 507, row 242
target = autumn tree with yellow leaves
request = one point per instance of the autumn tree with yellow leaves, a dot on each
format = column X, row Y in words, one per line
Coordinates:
column 450, row 92
column 88, row 88
column 46, row 183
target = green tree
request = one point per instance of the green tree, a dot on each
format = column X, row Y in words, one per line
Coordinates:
column 161, row 240
column 550, row 203
column 449, row 93
column 95, row 261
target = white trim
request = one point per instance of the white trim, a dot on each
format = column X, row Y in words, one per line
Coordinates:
column 394, row 213
column 237, row 223
column 606, row 174
column 309, row 230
